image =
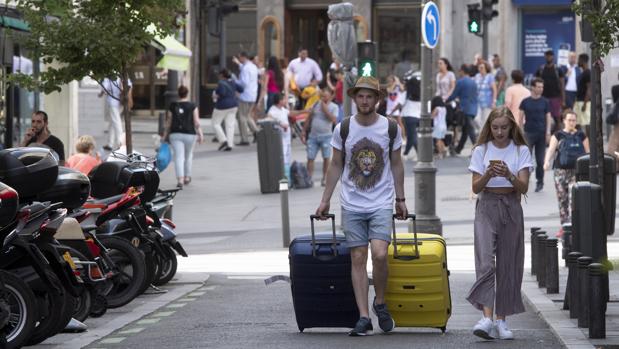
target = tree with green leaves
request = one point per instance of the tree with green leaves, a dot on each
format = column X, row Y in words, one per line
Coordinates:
column 94, row 38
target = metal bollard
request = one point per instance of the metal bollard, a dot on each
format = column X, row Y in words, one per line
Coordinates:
column 566, row 241
column 534, row 232
column 552, row 266
column 583, row 294
column 571, row 290
column 283, row 194
column 597, row 302
column 541, row 260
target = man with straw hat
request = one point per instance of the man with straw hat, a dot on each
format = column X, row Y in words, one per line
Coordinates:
column 366, row 153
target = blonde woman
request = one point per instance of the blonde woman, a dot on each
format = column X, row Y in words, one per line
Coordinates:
column 86, row 158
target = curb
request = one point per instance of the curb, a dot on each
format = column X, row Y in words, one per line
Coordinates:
column 558, row 320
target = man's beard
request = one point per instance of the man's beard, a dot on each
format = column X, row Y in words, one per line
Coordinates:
column 371, row 109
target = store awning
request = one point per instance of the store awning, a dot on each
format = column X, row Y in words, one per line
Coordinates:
column 14, row 23
column 175, row 55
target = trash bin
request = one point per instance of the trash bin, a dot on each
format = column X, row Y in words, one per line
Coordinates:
column 610, row 186
column 270, row 157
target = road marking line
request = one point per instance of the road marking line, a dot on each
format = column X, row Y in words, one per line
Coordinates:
column 176, row 305
column 148, row 321
column 163, row 313
column 113, row 340
column 197, row 294
column 207, row 288
column 132, row 330
column 187, row 299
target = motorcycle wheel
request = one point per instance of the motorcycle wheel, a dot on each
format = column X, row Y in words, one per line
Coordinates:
column 167, row 265
column 83, row 303
column 17, row 298
column 59, row 307
column 152, row 269
column 130, row 271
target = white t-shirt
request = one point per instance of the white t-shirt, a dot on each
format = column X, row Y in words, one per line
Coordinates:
column 411, row 109
column 367, row 182
column 281, row 116
column 114, row 89
column 394, row 98
column 516, row 158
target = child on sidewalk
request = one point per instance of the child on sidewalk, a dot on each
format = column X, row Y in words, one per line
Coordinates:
column 439, row 120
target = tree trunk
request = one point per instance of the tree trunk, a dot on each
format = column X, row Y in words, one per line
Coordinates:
column 126, row 112
column 596, row 165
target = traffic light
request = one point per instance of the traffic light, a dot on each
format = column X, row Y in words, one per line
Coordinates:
column 366, row 61
column 487, row 10
column 474, row 23
column 216, row 11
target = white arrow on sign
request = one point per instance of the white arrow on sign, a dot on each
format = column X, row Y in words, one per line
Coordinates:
column 432, row 20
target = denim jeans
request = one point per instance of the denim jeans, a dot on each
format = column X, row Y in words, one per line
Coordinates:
column 410, row 125
column 182, row 146
column 467, row 130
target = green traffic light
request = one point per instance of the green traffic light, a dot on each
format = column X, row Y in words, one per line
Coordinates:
column 473, row 27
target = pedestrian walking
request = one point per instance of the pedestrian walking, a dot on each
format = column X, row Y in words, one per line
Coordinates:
column 571, row 79
column 86, row 157
column 226, row 106
column 445, row 79
column 183, row 127
column 439, row 125
column 565, row 147
column 396, row 97
column 466, row 93
column 535, row 111
column 486, row 92
column 500, row 79
column 515, row 94
column 613, row 141
column 306, row 72
column 338, row 90
column 554, row 89
column 583, row 94
column 279, row 113
column 273, row 80
column 370, row 176
column 500, row 167
column 248, row 78
column 318, row 131
column 411, row 113
column 39, row 134
column 113, row 90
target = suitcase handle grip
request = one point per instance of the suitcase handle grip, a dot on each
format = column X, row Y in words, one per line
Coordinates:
column 415, row 241
column 333, row 242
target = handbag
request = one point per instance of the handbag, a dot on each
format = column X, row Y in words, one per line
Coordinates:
column 164, row 156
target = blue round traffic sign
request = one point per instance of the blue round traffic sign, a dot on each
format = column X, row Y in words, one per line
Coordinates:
column 430, row 24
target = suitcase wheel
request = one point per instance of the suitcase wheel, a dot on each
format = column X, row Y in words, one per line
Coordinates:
column 301, row 329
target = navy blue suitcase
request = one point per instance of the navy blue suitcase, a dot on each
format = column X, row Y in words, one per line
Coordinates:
column 322, row 292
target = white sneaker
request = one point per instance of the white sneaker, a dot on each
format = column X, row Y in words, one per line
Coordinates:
column 483, row 328
column 502, row 330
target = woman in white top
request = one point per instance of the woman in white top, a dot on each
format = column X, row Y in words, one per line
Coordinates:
column 411, row 112
column 445, row 79
column 439, row 124
column 500, row 167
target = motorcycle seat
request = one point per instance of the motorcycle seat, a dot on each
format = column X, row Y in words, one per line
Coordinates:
column 106, row 201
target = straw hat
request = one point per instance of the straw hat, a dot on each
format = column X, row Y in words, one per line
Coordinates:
column 366, row 82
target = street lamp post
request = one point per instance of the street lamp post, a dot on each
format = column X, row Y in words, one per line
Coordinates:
column 425, row 171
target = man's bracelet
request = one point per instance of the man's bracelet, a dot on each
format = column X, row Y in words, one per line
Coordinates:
column 400, row 199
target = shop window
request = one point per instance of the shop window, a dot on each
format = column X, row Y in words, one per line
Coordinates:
column 270, row 34
column 397, row 32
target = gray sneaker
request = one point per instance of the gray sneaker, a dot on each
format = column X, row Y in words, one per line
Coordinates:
column 362, row 328
column 385, row 321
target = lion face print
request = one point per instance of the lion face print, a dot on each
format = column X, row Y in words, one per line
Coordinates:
column 366, row 165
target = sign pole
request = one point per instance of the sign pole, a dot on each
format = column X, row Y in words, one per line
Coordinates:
column 425, row 171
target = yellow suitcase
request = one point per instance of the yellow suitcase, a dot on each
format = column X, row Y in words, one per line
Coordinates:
column 418, row 292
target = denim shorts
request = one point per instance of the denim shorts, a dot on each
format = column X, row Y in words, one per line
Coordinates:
column 322, row 142
column 360, row 228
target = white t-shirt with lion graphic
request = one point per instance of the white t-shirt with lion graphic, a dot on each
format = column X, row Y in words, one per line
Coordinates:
column 367, row 182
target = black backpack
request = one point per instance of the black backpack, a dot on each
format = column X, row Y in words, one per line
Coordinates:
column 570, row 148
column 300, row 177
column 345, row 127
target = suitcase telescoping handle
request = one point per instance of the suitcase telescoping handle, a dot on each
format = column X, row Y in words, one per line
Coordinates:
column 407, row 241
column 333, row 242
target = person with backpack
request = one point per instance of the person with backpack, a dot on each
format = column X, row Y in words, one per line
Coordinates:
column 565, row 147
column 226, row 106
column 500, row 166
column 366, row 155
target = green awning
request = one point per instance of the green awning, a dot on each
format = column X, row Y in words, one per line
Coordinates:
column 175, row 55
column 15, row 23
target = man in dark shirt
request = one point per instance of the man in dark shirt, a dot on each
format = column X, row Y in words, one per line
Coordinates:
column 583, row 94
column 39, row 133
column 554, row 89
column 535, row 111
column 466, row 92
